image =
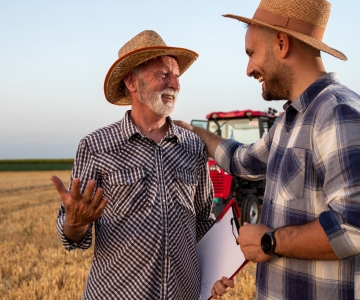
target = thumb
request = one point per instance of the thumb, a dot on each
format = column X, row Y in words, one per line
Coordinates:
column 246, row 223
column 59, row 185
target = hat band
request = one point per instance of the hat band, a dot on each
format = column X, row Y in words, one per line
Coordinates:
column 289, row 23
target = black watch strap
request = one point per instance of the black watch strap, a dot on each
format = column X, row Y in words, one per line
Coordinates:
column 268, row 243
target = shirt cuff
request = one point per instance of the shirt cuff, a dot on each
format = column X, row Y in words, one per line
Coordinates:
column 338, row 237
column 85, row 243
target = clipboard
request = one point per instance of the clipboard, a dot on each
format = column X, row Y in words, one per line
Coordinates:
column 218, row 252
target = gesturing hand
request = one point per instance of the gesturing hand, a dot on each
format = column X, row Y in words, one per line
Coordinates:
column 80, row 210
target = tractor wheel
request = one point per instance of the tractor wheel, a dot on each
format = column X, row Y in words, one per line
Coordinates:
column 250, row 210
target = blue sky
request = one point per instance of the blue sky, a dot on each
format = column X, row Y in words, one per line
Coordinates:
column 54, row 56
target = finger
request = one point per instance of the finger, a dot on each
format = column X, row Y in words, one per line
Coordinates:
column 246, row 223
column 59, row 185
column 183, row 124
column 75, row 189
column 96, row 199
column 99, row 210
column 219, row 288
column 89, row 190
column 213, row 294
column 227, row 282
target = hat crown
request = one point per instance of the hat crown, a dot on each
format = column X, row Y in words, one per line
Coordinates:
column 315, row 12
column 145, row 39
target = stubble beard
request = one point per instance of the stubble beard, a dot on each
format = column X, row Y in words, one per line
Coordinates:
column 153, row 99
column 279, row 79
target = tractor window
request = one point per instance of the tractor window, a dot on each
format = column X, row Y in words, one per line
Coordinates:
column 267, row 124
column 199, row 123
column 243, row 130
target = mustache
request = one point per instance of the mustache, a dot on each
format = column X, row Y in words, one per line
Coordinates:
column 168, row 91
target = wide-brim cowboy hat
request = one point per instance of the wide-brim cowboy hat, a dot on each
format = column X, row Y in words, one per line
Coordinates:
column 144, row 46
column 304, row 20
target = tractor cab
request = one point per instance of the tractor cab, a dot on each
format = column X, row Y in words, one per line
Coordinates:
column 245, row 126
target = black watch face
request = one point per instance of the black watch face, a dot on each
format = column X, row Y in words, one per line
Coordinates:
column 266, row 243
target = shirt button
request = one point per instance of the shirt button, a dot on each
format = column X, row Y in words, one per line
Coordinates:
column 165, row 256
column 287, row 129
column 165, row 283
column 164, row 200
column 128, row 181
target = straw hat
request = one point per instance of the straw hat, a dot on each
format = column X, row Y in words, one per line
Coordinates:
column 144, row 46
column 303, row 19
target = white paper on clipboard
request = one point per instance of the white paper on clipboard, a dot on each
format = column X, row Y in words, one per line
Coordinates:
column 218, row 253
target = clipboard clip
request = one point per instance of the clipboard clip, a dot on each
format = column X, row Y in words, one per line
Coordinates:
column 234, row 223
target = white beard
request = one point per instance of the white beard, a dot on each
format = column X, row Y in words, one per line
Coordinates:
column 153, row 99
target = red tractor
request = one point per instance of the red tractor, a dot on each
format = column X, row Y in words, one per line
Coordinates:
column 246, row 126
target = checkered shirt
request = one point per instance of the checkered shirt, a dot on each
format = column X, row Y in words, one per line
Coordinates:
column 160, row 198
column 311, row 161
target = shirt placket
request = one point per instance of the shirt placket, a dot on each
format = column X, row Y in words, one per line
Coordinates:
column 162, row 197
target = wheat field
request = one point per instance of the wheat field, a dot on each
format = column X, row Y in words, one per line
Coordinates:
column 34, row 265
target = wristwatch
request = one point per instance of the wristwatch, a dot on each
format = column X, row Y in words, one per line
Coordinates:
column 268, row 243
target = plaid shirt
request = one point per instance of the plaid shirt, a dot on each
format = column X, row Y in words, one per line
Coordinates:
column 311, row 160
column 160, row 199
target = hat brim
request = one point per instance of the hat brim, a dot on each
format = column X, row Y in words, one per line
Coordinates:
column 125, row 64
column 313, row 42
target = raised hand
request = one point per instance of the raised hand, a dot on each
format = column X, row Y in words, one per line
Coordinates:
column 80, row 210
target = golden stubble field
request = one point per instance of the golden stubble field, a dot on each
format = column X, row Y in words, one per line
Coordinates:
column 34, row 265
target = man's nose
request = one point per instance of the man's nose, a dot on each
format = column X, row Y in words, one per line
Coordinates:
column 249, row 70
column 173, row 82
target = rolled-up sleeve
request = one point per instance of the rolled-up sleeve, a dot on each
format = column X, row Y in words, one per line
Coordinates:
column 338, row 166
column 84, row 169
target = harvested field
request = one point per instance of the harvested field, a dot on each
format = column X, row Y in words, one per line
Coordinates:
column 34, row 264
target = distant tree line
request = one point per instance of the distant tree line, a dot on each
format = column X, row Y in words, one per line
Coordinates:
column 36, row 164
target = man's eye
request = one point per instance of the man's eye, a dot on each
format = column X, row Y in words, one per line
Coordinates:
column 162, row 74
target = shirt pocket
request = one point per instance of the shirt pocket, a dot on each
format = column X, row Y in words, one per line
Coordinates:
column 185, row 187
column 292, row 174
column 127, row 190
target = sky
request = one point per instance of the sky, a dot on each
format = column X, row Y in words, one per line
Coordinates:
column 54, row 56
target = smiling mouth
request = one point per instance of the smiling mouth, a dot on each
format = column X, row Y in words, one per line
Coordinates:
column 260, row 79
column 169, row 97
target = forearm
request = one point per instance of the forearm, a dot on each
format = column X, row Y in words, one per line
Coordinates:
column 307, row 241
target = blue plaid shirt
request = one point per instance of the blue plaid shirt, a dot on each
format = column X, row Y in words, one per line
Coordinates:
column 311, row 160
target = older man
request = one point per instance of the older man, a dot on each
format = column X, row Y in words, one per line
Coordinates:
column 308, row 244
column 142, row 181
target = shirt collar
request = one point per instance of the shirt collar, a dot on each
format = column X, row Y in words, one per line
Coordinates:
column 303, row 101
column 129, row 129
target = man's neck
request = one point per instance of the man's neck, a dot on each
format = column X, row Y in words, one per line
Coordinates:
column 306, row 72
column 151, row 125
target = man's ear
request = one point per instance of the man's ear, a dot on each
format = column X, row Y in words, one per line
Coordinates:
column 130, row 82
column 281, row 44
